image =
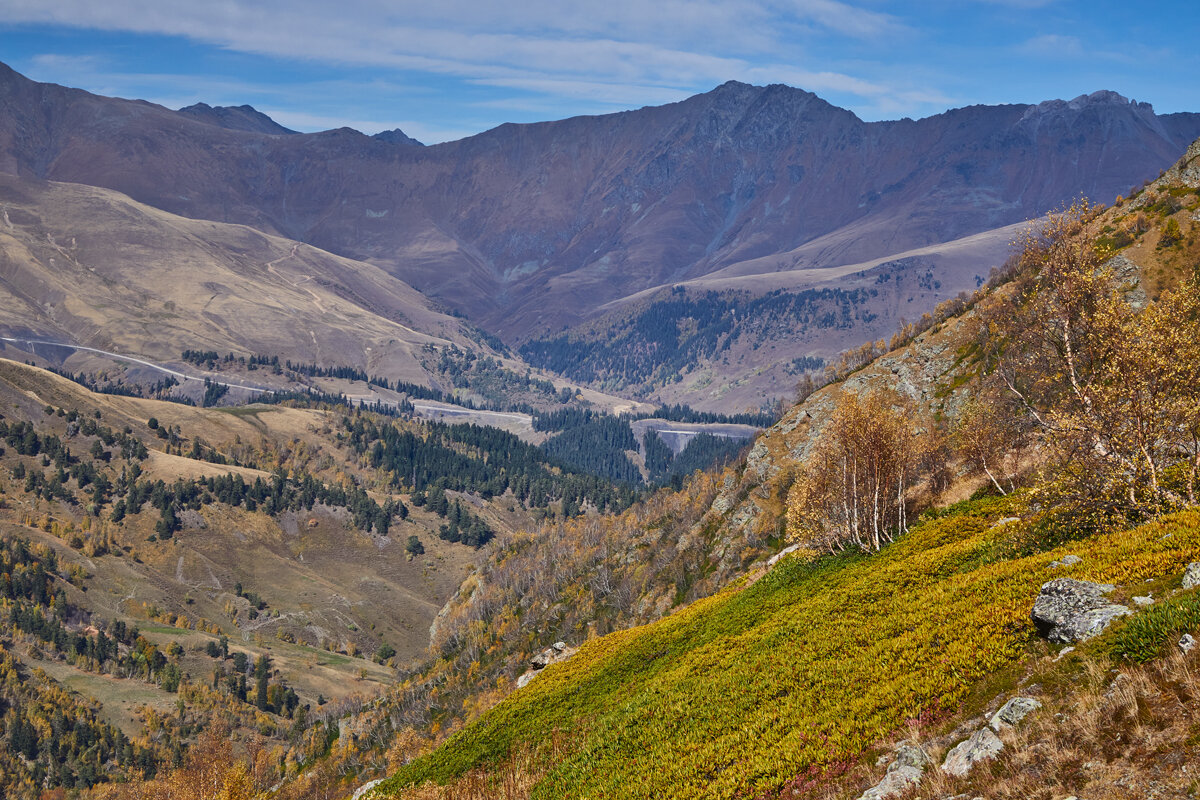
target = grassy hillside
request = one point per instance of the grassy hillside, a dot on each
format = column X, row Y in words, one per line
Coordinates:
column 92, row 266
column 802, row 672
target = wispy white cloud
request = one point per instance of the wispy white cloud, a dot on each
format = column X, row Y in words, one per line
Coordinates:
column 617, row 52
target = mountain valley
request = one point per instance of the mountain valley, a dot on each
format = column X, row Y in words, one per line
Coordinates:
column 731, row 448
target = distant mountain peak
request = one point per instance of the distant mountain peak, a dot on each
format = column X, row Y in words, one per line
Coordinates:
column 397, row 136
column 236, row 118
column 1095, row 100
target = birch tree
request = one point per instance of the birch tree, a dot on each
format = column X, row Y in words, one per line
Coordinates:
column 853, row 488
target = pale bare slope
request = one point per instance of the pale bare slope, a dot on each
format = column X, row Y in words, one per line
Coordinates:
column 87, row 265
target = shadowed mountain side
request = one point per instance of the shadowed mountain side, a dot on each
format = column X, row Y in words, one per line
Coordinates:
column 86, row 265
column 527, row 228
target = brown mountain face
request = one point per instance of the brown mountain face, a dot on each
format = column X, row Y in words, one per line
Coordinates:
column 528, row 228
column 533, row 228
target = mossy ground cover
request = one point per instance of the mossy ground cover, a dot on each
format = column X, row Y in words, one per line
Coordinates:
column 803, row 670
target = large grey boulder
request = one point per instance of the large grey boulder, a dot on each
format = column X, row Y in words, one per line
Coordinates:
column 982, row 745
column 1013, row 712
column 905, row 771
column 1191, row 577
column 1068, row 610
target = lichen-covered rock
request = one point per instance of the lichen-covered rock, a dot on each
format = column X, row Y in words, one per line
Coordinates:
column 1187, row 169
column 1068, row 610
column 726, row 498
column 983, row 745
column 1187, row 643
column 909, row 754
column 1013, row 712
column 905, row 771
column 758, row 460
column 1191, row 576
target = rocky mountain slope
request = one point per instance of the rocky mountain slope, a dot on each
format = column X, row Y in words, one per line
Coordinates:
column 526, row 228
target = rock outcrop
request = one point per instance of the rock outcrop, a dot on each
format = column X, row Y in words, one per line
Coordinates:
column 905, row 771
column 1191, row 577
column 366, row 791
column 1069, row 611
column 1012, row 712
column 983, row 745
column 559, row 651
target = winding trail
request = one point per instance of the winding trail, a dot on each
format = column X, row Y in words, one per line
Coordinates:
column 295, row 284
column 321, row 307
column 122, row 357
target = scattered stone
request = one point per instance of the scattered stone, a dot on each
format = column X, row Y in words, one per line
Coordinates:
column 1069, row 611
column 1187, row 643
column 1145, row 600
column 1114, row 688
column 1191, row 576
column 1063, row 652
column 1013, row 712
column 1067, row 561
column 983, row 745
column 905, row 771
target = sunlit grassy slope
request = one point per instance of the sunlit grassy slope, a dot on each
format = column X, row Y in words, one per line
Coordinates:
column 802, row 670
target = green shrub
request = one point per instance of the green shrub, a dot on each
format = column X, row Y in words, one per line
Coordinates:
column 1151, row 633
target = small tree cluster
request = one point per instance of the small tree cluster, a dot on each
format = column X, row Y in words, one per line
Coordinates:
column 853, row 489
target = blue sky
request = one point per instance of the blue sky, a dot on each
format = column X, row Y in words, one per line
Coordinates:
column 443, row 70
